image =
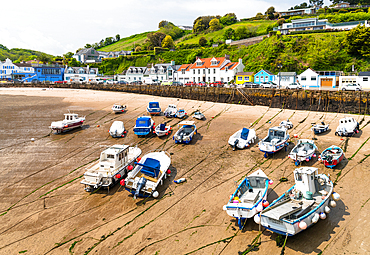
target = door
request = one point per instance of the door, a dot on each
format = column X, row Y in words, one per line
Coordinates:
column 327, row 82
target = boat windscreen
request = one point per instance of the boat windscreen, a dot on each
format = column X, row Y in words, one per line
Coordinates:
column 244, row 134
column 153, row 105
column 142, row 122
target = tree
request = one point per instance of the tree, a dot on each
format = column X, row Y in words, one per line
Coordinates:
column 270, row 12
column 317, row 2
column 163, row 23
column 228, row 19
column 155, row 39
column 44, row 58
column 108, row 41
column 203, row 41
column 118, row 37
column 87, row 46
column 168, row 42
column 280, row 21
column 259, row 15
column 215, row 25
column 138, row 48
column 68, row 55
column 357, row 41
column 199, row 26
column 229, row 34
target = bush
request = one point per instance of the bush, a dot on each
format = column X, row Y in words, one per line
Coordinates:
column 202, row 41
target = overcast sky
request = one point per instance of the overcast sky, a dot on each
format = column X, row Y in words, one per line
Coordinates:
column 59, row 27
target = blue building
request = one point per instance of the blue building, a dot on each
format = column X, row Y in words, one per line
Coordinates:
column 264, row 76
column 49, row 73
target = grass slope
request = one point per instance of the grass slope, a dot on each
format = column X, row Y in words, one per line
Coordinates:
column 126, row 43
column 14, row 54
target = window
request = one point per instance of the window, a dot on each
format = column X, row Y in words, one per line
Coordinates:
column 365, row 79
column 209, row 71
column 313, row 78
column 226, row 68
column 240, row 78
column 298, row 177
column 183, row 71
column 303, row 78
column 222, row 79
column 214, row 78
column 204, row 71
column 228, row 78
column 198, row 71
column 199, row 63
column 198, row 78
column 214, row 71
column 193, row 71
column 246, row 78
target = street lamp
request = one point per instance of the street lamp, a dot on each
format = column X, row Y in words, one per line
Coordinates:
column 279, row 66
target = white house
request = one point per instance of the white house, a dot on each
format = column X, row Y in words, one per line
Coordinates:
column 285, row 78
column 7, row 68
column 228, row 72
column 364, row 79
column 85, row 74
column 134, row 73
column 184, row 73
column 309, row 79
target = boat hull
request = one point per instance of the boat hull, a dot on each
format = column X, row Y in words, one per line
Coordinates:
column 274, row 149
column 334, row 162
column 154, row 111
column 67, row 127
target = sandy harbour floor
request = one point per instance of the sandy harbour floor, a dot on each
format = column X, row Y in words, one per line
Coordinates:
column 45, row 210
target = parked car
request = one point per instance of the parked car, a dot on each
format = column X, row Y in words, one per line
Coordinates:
column 15, row 81
column 250, row 85
column 202, row 84
column 190, row 83
column 122, row 82
column 351, row 86
column 136, row 83
column 268, row 85
column 294, row 85
column 60, row 82
column 177, row 83
column 217, row 84
column 111, row 82
column 167, row 83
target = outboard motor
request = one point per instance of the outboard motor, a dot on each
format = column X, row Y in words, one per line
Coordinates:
column 140, row 185
column 235, row 144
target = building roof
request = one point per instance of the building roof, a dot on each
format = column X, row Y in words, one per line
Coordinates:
column 287, row 73
column 230, row 66
column 245, row 73
column 185, row 67
column 24, row 64
column 206, row 63
column 266, row 71
column 364, row 74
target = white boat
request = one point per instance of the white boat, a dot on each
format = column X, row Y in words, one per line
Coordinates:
column 116, row 108
column 320, row 128
column 242, row 138
column 248, row 198
column 276, row 139
column 185, row 133
column 302, row 205
column 303, row 151
column 148, row 174
column 170, row 111
column 287, row 124
column 347, row 127
column 113, row 165
column 198, row 115
column 162, row 130
column 117, row 129
column 71, row 121
column 180, row 114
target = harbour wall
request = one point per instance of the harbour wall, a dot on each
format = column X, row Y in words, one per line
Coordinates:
column 311, row 100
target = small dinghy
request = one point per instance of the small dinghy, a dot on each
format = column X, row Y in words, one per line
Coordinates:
column 320, row 128
column 171, row 111
column 302, row 205
column 153, row 108
column 148, row 173
column 303, row 151
column 186, row 132
column 113, row 165
column 242, row 138
column 117, row 108
column 287, row 124
column 276, row 139
column 144, row 125
column 180, row 114
column 117, row 129
column 198, row 115
column 248, row 198
column 347, row 127
column 162, row 130
column 332, row 156
column 71, row 121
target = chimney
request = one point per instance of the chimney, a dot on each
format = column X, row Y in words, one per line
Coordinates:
column 172, row 62
column 227, row 57
column 240, row 61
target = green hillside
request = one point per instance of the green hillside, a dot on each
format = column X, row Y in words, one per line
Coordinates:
column 20, row 54
column 126, row 43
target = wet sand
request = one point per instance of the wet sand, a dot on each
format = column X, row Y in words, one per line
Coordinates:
column 45, row 209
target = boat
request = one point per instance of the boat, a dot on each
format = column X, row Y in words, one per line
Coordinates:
column 171, row 111
column 287, row 124
column 162, row 130
column 251, row 192
column 114, row 163
column 117, row 108
column 332, row 156
column 302, row 205
column 242, row 138
column 153, row 108
column 117, row 129
column 71, row 121
column 148, row 174
column 347, row 127
column 180, row 114
column 144, row 125
column 303, row 151
column 320, row 128
column 276, row 139
column 198, row 115
column 186, row 132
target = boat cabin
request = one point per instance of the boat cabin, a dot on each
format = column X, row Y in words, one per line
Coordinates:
column 276, row 135
column 348, row 120
column 172, row 107
column 305, row 179
column 143, row 122
column 70, row 116
column 114, row 156
column 153, row 105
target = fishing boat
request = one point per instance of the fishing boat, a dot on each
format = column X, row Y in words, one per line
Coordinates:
column 180, row 114
column 303, row 151
column 144, row 125
column 171, row 111
column 302, row 205
column 162, row 130
column 276, row 139
column 153, row 108
column 113, row 165
column 117, row 129
column 248, row 198
column 242, row 138
column 198, row 115
column 71, row 121
column 287, row 124
column 332, row 156
column 148, row 174
column 347, row 127
column 117, row 108
column 186, row 132
column 320, row 128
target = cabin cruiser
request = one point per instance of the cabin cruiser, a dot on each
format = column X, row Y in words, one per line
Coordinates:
column 71, row 121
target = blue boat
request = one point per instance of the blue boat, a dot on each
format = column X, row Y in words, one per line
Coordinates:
column 144, row 125
column 153, row 108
